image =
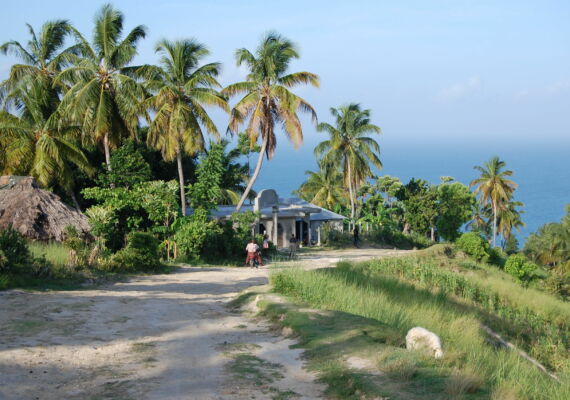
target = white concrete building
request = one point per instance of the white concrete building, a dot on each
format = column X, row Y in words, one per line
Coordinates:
column 280, row 218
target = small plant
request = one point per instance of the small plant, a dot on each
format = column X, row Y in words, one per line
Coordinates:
column 473, row 244
column 520, row 267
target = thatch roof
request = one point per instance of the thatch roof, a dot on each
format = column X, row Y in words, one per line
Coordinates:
column 37, row 214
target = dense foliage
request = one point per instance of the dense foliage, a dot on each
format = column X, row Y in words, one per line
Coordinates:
column 519, row 266
column 14, row 252
column 140, row 254
column 475, row 245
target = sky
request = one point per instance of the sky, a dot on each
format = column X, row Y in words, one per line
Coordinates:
column 430, row 71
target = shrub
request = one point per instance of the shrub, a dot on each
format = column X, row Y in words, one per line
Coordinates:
column 78, row 248
column 520, row 267
column 497, row 257
column 140, row 254
column 473, row 244
column 393, row 237
column 14, row 252
column 558, row 284
column 192, row 232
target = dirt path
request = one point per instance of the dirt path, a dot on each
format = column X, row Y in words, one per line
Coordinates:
column 166, row 337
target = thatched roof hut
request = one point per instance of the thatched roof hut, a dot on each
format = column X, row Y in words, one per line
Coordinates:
column 37, row 214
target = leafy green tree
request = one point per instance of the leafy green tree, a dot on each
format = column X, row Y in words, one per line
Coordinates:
column 235, row 175
column 206, row 192
column 128, row 167
column 267, row 100
column 182, row 88
column 192, row 232
column 494, row 188
column 350, row 147
column 420, row 205
column 104, row 93
column 41, row 146
column 455, row 202
column 323, row 188
column 388, row 185
column 148, row 205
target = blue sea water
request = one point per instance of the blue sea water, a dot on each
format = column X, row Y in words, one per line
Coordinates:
column 541, row 169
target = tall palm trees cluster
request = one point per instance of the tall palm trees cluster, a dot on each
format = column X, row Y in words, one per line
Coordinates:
column 70, row 95
column 61, row 101
column 345, row 159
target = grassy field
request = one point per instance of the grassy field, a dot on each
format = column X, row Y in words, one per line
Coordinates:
column 361, row 313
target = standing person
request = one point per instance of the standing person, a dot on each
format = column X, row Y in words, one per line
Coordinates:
column 293, row 245
column 252, row 249
column 265, row 242
column 356, row 233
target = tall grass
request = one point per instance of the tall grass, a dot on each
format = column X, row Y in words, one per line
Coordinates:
column 537, row 322
column 402, row 305
column 53, row 252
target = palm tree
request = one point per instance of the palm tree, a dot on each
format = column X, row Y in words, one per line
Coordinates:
column 41, row 147
column 480, row 219
column 350, row 147
column 42, row 59
column 268, row 100
column 104, row 93
column 494, row 188
column 183, row 88
column 323, row 187
column 509, row 218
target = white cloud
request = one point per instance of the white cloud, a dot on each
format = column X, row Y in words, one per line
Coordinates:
column 557, row 87
column 521, row 94
column 460, row 89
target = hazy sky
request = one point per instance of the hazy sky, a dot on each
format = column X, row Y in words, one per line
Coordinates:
column 439, row 70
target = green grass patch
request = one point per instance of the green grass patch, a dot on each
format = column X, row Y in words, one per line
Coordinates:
column 250, row 368
column 54, row 252
column 367, row 311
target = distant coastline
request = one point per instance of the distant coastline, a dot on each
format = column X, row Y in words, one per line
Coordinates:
column 542, row 170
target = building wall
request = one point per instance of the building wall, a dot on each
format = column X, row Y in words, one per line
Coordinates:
column 287, row 228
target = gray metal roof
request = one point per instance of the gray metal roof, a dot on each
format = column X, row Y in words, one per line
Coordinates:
column 288, row 208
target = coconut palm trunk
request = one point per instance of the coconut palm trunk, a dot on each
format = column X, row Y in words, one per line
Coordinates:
column 350, row 192
column 254, row 176
column 181, row 183
column 494, row 224
column 107, row 151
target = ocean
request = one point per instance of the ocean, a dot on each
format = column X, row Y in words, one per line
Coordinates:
column 541, row 169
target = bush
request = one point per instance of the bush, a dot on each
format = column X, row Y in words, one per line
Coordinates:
column 520, row 267
column 497, row 257
column 14, row 252
column 473, row 244
column 558, row 284
column 140, row 254
column 192, row 232
column 393, row 237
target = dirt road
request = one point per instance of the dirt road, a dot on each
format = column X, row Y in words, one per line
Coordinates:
column 167, row 337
